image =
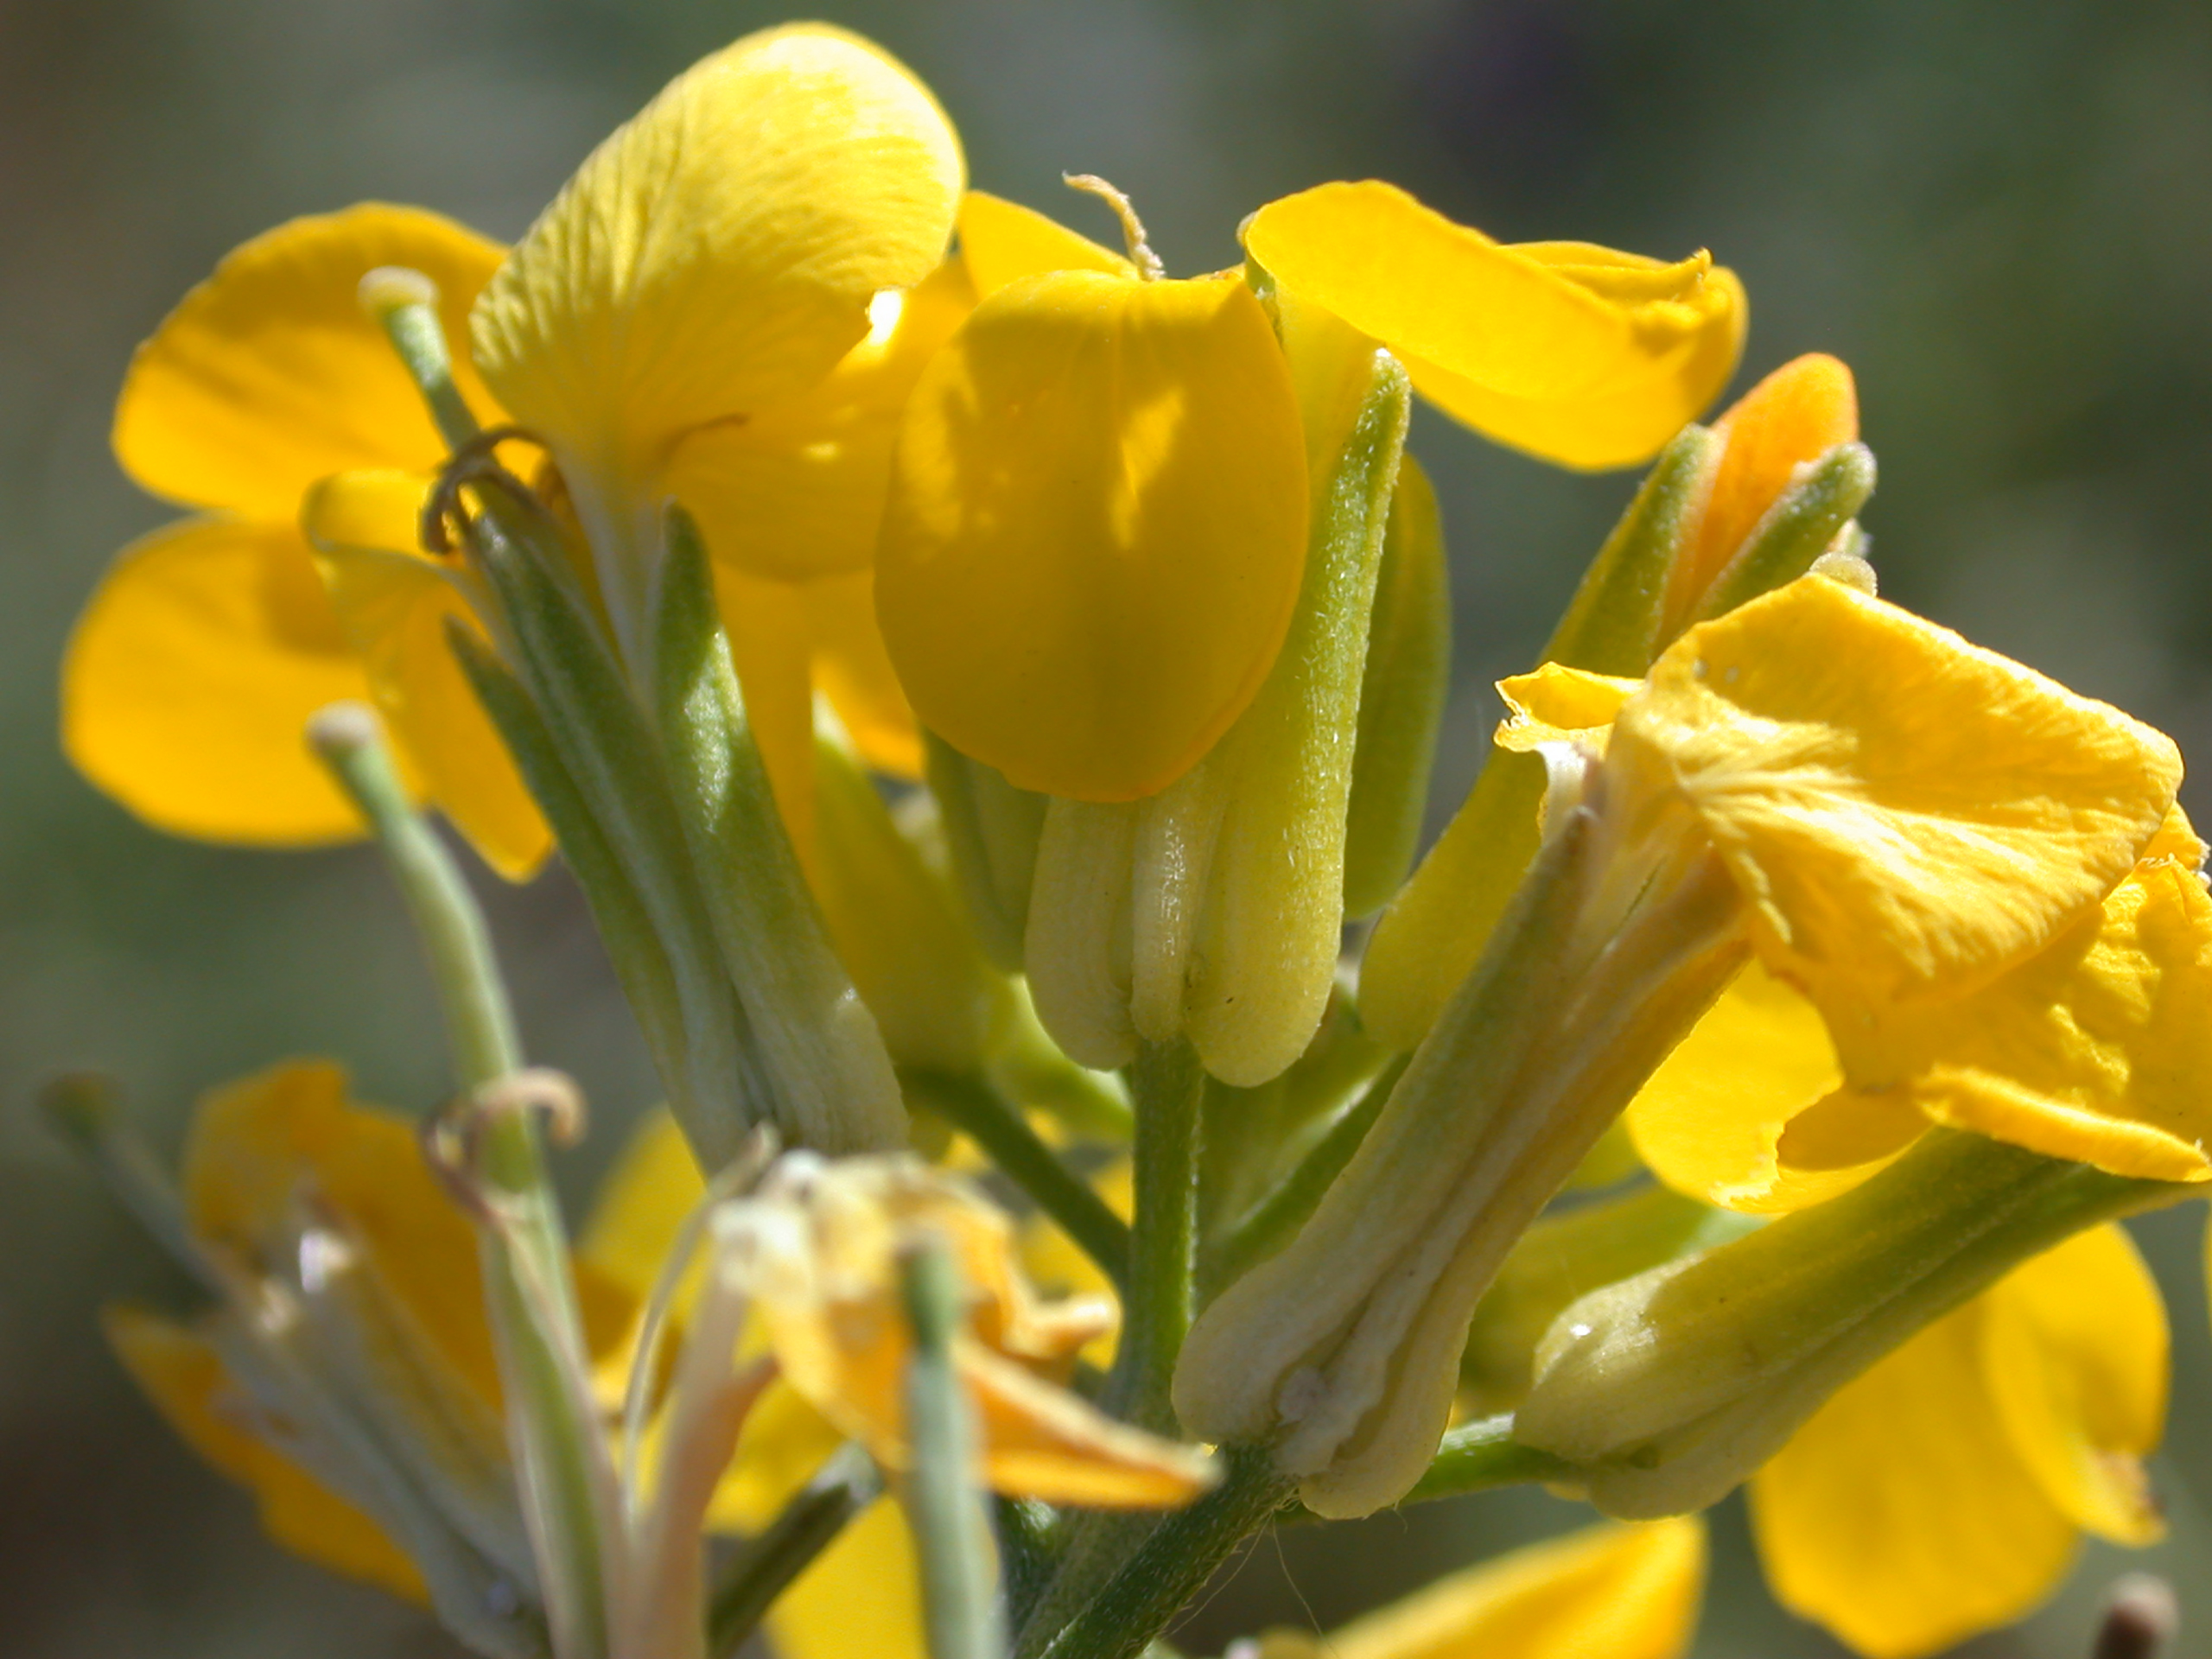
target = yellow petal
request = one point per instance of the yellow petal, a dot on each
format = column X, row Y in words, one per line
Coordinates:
column 1796, row 415
column 1582, row 355
column 256, row 1146
column 1002, row 242
column 395, row 604
column 1096, row 529
column 783, row 1443
column 183, row 1375
column 1556, row 703
column 190, row 678
column 796, row 492
column 853, row 669
column 860, row 1600
column 717, row 253
column 2074, row 1351
column 2094, row 1049
column 769, row 646
column 269, row 375
column 1907, row 815
column 1624, row 1593
column 641, row 1206
column 1712, row 1119
column 1059, row 1267
column 1901, row 1516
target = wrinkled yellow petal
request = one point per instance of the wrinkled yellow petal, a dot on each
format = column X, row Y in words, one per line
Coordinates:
column 1618, row 1592
column 1796, row 415
column 1907, row 815
column 1096, row 529
column 1559, row 705
column 1583, row 355
column 1901, row 1516
column 2073, row 1352
column 183, row 1375
column 2095, row 1049
column 269, row 375
column 1712, row 1120
column 258, row 1146
column 796, row 492
column 717, row 253
column 853, row 669
column 395, row 605
column 191, row 677
column 860, row 1600
column 1002, row 242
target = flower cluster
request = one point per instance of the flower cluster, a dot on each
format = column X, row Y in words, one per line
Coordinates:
column 974, row 677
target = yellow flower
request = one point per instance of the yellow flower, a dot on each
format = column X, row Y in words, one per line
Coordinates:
column 191, row 674
column 1580, row 354
column 1941, row 1494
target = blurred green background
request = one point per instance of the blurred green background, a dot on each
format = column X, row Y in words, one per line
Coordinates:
column 2001, row 214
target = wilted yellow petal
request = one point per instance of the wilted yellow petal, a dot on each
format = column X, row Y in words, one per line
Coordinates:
column 860, row 1600
column 1901, row 1516
column 258, row 1146
column 795, row 491
column 1044, row 1442
column 1908, row 816
column 2095, row 1049
column 1556, row 704
column 717, row 253
column 1002, row 242
column 1058, row 1266
column 1096, row 529
column 183, row 1375
column 1622, row 1593
column 1583, row 355
column 190, row 678
column 2073, row 1352
column 395, row 604
column 269, row 375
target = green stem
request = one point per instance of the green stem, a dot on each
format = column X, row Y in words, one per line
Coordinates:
column 943, row 1509
column 750, row 1584
column 1167, row 1083
column 1031, row 1538
column 1477, row 1456
column 1141, row 1600
column 979, row 1111
column 405, row 302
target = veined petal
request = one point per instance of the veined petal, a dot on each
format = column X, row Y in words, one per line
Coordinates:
column 1556, row 703
column 183, row 1375
column 1907, row 815
column 1002, row 242
column 395, row 605
column 1624, row 1591
column 269, row 375
column 2073, row 1352
column 1901, row 1516
column 191, row 677
column 1096, row 529
column 1712, row 1121
column 860, row 1600
column 796, row 492
column 258, row 1145
column 717, row 253
column 2094, row 1049
column 1583, row 355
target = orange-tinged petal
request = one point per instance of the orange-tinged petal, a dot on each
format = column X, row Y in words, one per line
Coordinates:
column 269, row 375
column 1797, row 414
column 1907, row 815
column 1618, row 1592
column 2073, row 1352
column 1043, row 1441
column 1096, row 529
column 718, row 252
column 190, row 679
column 1002, row 242
column 796, row 492
column 1901, row 1516
column 396, row 605
column 184, row 1377
column 1583, row 355
column 258, row 1146
column 853, row 669
column 860, row 1600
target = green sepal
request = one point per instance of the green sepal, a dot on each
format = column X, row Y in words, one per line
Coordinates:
column 991, row 832
column 1613, row 624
